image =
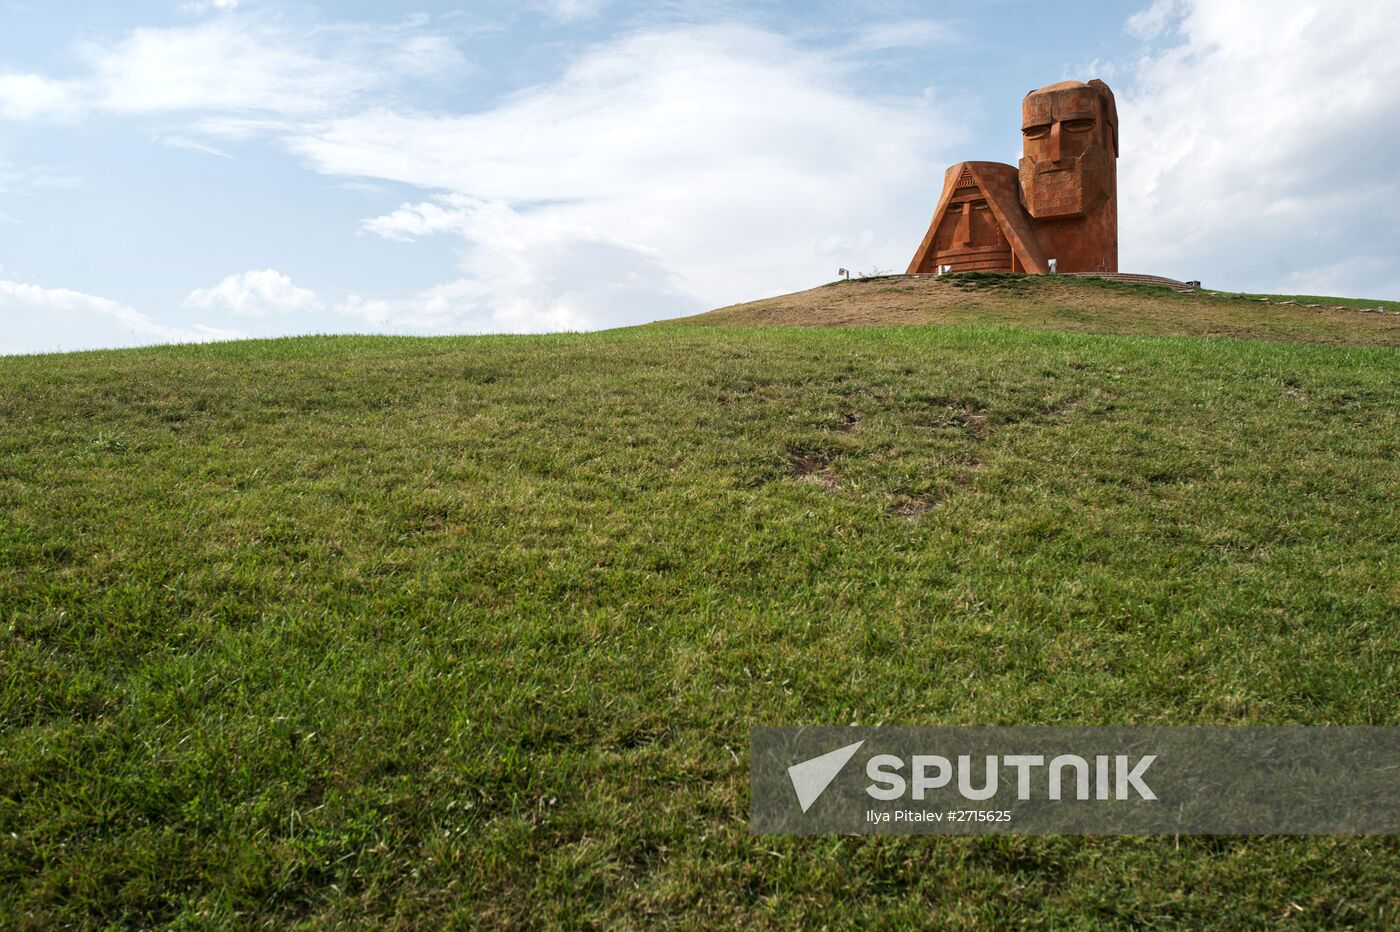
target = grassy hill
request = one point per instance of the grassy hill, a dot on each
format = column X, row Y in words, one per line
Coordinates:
column 414, row 631
column 1091, row 305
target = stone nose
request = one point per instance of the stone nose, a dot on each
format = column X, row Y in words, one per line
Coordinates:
column 1053, row 149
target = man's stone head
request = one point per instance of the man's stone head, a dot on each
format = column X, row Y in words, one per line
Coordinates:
column 1070, row 135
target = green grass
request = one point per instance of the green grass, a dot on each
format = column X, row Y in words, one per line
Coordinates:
column 414, row 632
column 1013, row 280
column 1392, row 307
column 1057, row 302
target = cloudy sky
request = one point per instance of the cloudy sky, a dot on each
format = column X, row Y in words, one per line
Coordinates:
column 176, row 170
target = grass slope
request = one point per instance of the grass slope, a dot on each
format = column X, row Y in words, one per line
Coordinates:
column 1071, row 304
column 352, row 630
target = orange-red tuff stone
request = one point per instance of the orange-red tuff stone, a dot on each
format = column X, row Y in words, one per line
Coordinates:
column 1061, row 204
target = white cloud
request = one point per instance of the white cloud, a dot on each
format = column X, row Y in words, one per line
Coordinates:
column 205, row 6
column 1152, row 21
column 568, row 11
column 450, row 214
column 1259, row 145
column 256, row 69
column 39, row 320
column 901, row 34
column 14, row 178
column 179, row 141
column 664, row 171
column 250, row 65
column 264, row 293
column 29, row 96
column 694, row 166
column 525, row 273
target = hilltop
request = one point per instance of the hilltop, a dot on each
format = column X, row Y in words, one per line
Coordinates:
column 1092, row 305
column 420, row 632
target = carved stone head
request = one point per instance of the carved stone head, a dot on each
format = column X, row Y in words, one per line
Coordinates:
column 1070, row 135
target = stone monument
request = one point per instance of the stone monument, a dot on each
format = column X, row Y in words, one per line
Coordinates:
column 1060, row 205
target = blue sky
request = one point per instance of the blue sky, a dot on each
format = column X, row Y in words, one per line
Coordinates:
column 178, row 170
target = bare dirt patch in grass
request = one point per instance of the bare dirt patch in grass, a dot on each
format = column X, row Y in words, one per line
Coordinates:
column 911, row 509
column 975, row 422
column 813, row 466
